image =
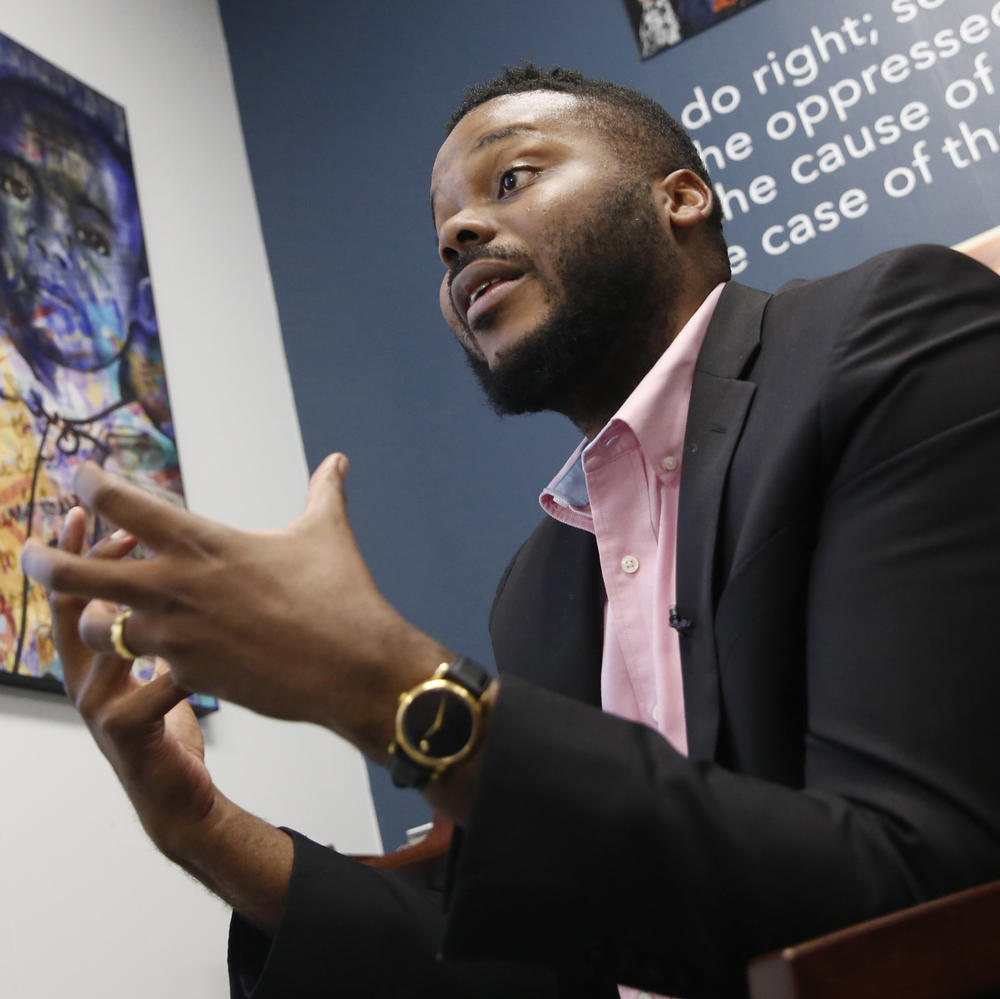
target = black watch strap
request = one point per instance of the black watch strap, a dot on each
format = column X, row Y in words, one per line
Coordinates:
column 406, row 772
column 470, row 675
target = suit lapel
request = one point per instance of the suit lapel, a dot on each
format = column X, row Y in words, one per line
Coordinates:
column 547, row 621
column 719, row 405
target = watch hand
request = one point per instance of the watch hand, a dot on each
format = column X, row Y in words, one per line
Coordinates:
column 438, row 722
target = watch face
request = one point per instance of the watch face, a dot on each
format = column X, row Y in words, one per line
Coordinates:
column 438, row 723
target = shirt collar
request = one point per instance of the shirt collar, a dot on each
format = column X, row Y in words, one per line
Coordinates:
column 655, row 411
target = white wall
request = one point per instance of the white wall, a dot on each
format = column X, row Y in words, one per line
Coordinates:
column 87, row 907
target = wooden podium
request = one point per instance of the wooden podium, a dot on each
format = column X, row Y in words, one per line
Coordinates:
column 945, row 949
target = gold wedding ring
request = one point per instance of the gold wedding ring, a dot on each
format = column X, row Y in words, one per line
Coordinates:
column 118, row 635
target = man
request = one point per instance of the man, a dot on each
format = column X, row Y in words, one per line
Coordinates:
column 81, row 375
column 806, row 714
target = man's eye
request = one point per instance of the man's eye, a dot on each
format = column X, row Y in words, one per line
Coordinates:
column 14, row 187
column 93, row 240
column 511, row 180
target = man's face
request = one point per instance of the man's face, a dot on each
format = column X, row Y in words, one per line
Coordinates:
column 556, row 254
column 70, row 241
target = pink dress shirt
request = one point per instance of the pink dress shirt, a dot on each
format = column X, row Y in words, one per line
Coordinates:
column 622, row 487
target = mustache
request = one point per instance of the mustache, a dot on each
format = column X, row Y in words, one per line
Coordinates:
column 470, row 256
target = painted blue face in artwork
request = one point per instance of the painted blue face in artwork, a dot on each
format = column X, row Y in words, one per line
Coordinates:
column 71, row 264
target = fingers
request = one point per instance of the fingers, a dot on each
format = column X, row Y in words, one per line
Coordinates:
column 325, row 501
column 76, row 657
column 111, row 676
column 154, row 521
column 160, row 666
column 66, row 607
column 93, row 682
column 107, row 677
column 73, row 532
column 105, row 577
column 118, row 702
column 116, row 545
column 151, row 701
column 95, row 626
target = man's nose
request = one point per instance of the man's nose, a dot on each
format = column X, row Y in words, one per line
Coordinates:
column 462, row 231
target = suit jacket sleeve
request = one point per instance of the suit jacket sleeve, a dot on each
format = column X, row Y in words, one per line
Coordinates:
column 855, row 586
column 358, row 933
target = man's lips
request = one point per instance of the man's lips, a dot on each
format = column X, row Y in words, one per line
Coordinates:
column 476, row 288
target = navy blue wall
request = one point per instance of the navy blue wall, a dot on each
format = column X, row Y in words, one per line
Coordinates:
column 343, row 104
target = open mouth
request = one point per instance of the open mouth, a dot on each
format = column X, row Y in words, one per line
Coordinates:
column 487, row 296
column 480, row 285
column 482, row 289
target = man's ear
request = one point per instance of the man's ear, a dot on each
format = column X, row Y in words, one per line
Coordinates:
column 685, row 198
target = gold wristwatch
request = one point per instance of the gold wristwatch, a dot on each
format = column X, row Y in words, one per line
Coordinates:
column 438, row 723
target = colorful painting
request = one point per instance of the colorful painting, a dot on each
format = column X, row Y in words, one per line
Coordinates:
column 81, row 371
column 661, row 24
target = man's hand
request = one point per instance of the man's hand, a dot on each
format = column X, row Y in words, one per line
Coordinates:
column 288, row 623
column 146, row 730
column 152, row 740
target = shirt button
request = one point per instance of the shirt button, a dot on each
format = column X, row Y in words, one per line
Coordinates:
column 670, row 463
column 559, row 501
column 643, row 995
column 656, row 712
column 630, row 564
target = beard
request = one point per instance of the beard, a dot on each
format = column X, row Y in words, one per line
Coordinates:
column 611, row 316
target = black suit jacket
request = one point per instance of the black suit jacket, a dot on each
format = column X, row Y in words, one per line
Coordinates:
column 838, row 569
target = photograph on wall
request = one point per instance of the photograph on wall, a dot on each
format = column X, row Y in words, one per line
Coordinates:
column 661, row 24
column 81, row 370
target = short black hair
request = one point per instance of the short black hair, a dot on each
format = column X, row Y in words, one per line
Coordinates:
column 641, row 130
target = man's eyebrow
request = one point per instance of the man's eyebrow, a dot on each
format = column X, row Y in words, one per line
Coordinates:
column 504, row 133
